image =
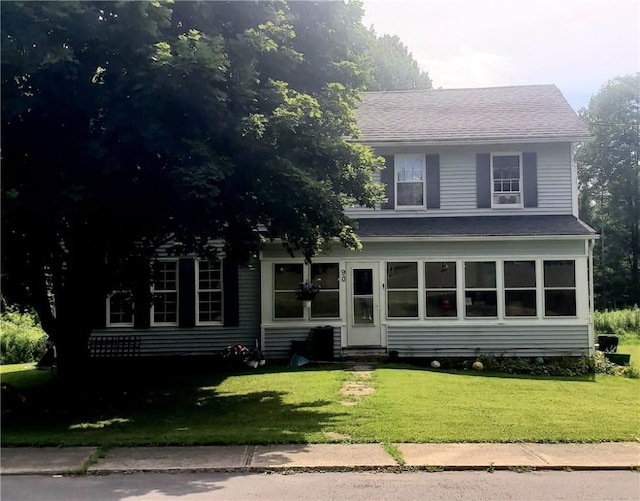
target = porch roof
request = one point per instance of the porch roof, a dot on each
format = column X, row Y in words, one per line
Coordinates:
column 474, row 226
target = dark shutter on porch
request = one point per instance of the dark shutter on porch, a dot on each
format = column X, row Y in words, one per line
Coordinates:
column 433, row 181
column 230, row 292
column 530, row 178
column 99, row 313
column 186, row 292
column 483, row 180
column 142, row 295
column 388, row 178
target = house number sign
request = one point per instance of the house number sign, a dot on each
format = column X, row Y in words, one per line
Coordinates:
column 343, row 275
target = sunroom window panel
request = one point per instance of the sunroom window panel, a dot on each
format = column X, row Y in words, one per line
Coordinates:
column 481, row 303
column 287, row 279
column 480, row 275
column 287, row 305
column 402, row 290
column 440, row 282
column 520, row 274
column 442, row 304
column 326, row 304
column 560, row 288
column 481, row 295
column 520, row 303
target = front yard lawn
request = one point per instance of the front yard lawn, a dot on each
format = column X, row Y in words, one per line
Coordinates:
column 283, row 405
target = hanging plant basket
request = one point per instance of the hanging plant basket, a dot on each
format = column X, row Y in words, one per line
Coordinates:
column 307, row 291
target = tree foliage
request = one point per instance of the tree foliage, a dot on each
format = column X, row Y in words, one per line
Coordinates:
column 609, row 178
column 393, row 67
column 127, row 125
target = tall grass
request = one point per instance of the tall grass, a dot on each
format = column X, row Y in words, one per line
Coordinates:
column 21, row 338
column 622, row 323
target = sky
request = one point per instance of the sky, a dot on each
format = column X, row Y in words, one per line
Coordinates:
column 577, row 45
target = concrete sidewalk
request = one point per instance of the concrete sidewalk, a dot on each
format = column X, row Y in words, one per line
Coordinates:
column 520, row 456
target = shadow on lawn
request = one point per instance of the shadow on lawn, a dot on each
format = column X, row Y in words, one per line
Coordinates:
column 587, row 378
column 161, row 405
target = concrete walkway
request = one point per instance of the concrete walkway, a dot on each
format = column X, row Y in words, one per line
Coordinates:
column 520, row 456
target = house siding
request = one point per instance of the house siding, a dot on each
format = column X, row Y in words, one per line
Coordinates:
column 454, row 341
column 277, row 340
column 458, row 180
column 204, row 339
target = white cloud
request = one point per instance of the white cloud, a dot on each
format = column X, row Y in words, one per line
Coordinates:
column 469, row 68
column 576, row 44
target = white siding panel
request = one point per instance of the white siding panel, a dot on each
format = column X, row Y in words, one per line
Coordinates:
column 457, row 341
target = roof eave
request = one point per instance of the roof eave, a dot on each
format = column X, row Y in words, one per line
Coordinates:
column 468, row 141
column 464, row 238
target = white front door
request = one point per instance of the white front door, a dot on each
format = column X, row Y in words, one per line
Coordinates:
column 363, row 305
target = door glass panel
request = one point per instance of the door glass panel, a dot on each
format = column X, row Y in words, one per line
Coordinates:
column 362, row 282
column 363, row 310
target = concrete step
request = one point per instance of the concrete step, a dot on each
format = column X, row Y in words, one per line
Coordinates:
column 364, row 353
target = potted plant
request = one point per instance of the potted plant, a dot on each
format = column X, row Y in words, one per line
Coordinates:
column 307, row 291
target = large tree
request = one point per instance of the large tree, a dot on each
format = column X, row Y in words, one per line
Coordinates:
column 128, row 125
column 609, row 177
column 393, row 67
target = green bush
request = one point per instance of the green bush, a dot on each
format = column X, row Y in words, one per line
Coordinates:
column 21, row 338
column 622, row 323
column 558, row 366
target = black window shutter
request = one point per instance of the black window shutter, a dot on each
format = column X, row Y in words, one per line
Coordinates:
column 433, row 181
column 99, row 316
column 230, row 291
column 142, row 296
column 388, row 178
column 186, row 292
column 530, row 178
column 483, row 180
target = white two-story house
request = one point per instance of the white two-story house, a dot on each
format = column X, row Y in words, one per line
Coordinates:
column 479, row 248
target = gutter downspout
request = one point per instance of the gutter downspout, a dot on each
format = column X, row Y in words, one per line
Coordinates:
column 591, row 328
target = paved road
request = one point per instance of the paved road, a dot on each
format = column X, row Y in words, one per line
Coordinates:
column 476, row 486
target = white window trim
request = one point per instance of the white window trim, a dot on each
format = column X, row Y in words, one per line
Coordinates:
column 497, row 288
column 519, row 205
column 545, row 289
column 152, row 321
column 505, row 289
column 422, row 159
column 403, row 289
column 448, row 289
column 108, row 322
column 198, row 291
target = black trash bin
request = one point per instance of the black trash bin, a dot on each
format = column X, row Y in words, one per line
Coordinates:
column 320, row 343
column 608, row 343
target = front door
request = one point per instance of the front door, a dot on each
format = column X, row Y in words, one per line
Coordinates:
column 363, row 308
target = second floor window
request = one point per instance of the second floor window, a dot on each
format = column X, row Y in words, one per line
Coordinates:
column 506, row 174
column 410, row 181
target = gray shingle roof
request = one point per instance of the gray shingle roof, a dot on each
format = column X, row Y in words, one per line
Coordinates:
column 497, row 113
column 475, row 226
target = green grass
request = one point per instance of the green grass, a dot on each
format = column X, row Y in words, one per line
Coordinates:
column 283, row 405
